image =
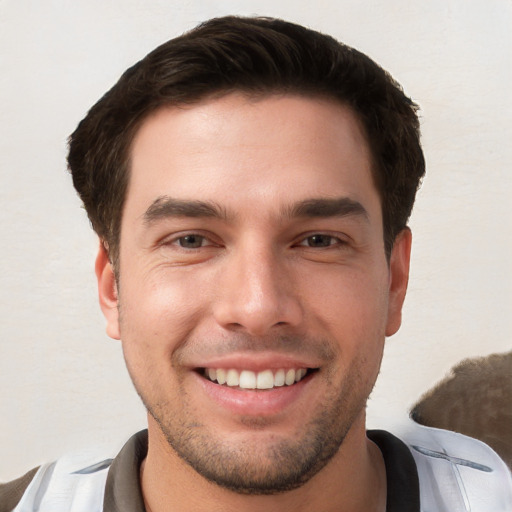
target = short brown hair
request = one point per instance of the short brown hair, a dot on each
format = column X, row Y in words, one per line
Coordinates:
column 258, row 56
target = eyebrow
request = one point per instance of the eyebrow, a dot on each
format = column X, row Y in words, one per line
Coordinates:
column 164, row 207
column 323, row 207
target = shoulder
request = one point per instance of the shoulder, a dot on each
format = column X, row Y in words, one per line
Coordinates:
column 457, row 472
column 82, row 481
column 52, row 487
column 11, row 492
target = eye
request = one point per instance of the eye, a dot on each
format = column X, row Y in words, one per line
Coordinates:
column 319, row 240
column 192, row 241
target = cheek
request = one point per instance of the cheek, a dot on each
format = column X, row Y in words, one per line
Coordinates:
column 352, row 305
column 158, row 312
column 156, row 316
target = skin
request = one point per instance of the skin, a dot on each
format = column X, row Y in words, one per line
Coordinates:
column 284, row 266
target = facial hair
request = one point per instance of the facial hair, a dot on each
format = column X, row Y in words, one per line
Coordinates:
column 269, row 464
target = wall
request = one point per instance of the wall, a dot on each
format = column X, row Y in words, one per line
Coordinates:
column 62, row 381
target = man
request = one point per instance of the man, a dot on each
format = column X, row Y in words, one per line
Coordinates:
column 250, row 183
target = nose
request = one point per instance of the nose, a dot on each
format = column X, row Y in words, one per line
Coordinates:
column 257, row 293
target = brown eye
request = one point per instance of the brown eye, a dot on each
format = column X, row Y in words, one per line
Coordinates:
column 191, row 241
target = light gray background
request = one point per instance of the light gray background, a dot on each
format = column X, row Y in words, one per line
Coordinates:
column 62, row 381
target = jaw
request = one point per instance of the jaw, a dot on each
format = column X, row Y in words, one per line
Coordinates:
column 336, row 474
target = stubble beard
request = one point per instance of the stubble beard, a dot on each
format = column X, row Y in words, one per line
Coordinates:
column 279, row 466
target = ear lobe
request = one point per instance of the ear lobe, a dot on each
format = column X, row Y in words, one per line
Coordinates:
column 398, row 279
column 107, row 292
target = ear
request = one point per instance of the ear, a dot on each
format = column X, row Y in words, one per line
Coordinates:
column 398, row 279
column 107, row 292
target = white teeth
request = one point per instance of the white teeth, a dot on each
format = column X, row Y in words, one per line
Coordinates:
column 265, row 380
column 247, row 379
column 232, row 378
column 299, row 374
column 290, row 377
column 221, row 376
column 279, row 378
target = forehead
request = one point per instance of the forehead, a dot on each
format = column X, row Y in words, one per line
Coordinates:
column 236, row 149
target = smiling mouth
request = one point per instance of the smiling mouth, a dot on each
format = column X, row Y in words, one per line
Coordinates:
column 263, row 380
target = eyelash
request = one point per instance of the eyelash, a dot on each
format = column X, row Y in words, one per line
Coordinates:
column 177, row 241
column 334, row 241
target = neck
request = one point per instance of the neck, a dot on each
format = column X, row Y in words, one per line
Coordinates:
column 169, row 484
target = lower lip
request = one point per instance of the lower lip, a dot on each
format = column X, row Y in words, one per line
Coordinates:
column 250, row 402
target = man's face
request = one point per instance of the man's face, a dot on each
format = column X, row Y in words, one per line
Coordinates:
column 252, row 255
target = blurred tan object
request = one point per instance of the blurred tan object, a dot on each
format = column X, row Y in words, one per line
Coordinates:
column 475, row 399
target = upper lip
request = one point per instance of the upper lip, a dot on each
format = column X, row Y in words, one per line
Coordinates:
column 256, row 362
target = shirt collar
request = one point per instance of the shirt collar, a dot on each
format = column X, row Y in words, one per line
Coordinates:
column 123, row 490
